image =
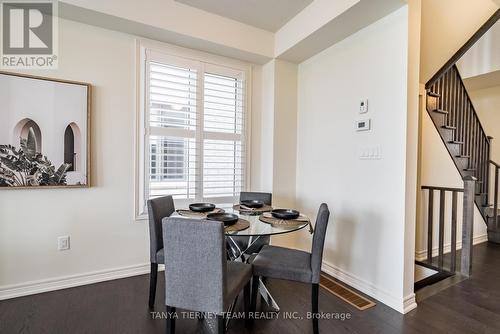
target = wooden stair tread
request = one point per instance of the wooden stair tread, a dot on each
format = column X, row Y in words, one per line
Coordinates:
column 433, row 94
column 463, row 156
column 449, row 127
column 456, row 142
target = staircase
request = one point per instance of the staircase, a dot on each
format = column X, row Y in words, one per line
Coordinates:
column 456, row 120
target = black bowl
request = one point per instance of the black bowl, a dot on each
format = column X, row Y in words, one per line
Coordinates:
column 226, row 218
column 285, row 213
column 254, row 204
column 201, row 207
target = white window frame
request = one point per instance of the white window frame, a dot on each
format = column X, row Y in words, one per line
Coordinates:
column 191, row 58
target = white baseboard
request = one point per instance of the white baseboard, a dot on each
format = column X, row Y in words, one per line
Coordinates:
column 401, row 305
column 64, row 282
column 422, row 254
column 409, row 303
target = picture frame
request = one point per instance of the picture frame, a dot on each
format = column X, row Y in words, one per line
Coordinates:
column 45, row 127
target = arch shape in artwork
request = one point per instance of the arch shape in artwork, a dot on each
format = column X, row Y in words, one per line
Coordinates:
column 73, row 147
column 21, row 132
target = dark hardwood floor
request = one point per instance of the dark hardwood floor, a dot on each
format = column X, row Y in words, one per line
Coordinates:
column 120, row 306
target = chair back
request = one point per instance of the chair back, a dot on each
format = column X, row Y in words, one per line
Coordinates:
column 319, row 242
column 195, row 264
column 158, row 208
column 267, row 198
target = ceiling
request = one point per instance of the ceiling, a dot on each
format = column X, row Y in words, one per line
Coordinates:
column 269, row 15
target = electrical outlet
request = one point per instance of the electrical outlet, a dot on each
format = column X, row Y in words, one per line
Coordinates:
column 63, row 243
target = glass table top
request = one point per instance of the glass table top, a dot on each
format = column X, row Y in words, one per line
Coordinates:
column 257, row 227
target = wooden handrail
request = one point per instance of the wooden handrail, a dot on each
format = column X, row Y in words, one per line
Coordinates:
column 484, row 28
column 460, row 190
column 497, row 165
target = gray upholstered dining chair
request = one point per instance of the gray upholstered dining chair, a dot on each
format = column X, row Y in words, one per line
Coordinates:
column 243, row 241
column 294, row 265
column 197, row 275
column 158, row 208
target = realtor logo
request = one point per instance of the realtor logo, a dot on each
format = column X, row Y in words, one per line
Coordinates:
column 29, row 30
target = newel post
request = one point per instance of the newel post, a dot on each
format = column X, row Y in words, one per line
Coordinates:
column 468, row 225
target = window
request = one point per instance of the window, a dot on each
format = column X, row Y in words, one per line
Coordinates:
column 194, row 124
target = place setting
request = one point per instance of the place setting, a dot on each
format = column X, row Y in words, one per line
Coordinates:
column 286, row 218
column 209, row 211
column 252, row 207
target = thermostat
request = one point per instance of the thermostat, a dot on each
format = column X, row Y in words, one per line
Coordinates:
column 363, row 106
column 363, row 125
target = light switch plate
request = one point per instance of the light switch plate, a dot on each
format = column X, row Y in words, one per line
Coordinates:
column 370, row 153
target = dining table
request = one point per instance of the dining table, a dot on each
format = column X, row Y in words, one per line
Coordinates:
column 256, row 228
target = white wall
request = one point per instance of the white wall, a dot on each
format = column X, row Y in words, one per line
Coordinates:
column 105, row 240
column 487, row 104
column 412, row 149
column 484, row 56
column 446, row 26
column 99, row 219
column 262, row 128
column 285, row 133
column 365, row 240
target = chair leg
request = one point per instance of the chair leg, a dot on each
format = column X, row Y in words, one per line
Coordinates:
column 255, row 291
column 152, row 284
column 221, row 324
column 314, row 304
column 170, row 320
column 246, row 309
column 264, row 281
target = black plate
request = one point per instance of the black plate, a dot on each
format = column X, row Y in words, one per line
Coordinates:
column 201, row 207
column 254, row 204
column 226, row 218
column 285, row 214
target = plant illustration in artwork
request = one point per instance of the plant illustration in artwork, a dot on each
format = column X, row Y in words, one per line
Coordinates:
column 26, row 167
